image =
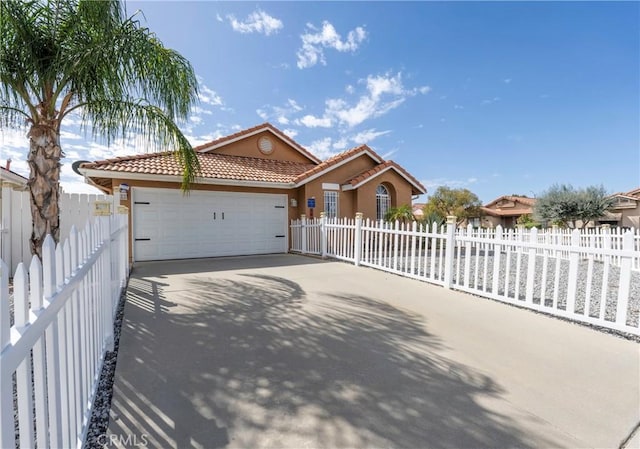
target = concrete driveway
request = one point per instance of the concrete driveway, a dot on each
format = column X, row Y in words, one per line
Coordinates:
column 285, row 351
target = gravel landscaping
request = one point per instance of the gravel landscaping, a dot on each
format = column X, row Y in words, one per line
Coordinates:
column 557, row 272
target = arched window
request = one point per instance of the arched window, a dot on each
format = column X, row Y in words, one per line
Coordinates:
column 383, row 201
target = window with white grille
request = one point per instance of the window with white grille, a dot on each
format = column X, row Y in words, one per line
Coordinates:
column 383, row 202
column 331, row 204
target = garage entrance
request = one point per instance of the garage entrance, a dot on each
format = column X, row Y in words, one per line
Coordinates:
column 170, row 225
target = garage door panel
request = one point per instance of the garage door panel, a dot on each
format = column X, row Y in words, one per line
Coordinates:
column 169, row 225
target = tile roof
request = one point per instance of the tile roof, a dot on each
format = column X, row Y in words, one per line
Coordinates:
column 255, row 129
column 506, row 212
column 380, row 167
column 334, row 160
column 522, row 199
column 212, row 165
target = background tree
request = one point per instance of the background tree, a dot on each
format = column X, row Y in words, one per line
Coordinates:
column 462, row 203
column 58, row 57
column 527, row 220
column 562, row 204
column 403, row 214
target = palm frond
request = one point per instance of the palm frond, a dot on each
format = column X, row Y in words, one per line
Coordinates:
column 111, row 119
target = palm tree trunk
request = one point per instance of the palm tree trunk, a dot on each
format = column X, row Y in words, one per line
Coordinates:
column 44, row 185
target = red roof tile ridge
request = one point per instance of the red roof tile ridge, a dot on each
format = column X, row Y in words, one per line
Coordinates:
column 126, row 158
column 522, row 199
column 378, row 168
column 244, row 132
column 333, row 160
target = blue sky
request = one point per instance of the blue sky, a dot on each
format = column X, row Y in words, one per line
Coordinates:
column 496, row 97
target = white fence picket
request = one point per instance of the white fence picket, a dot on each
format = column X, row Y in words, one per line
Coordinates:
column 55, row 334
column 540, row 270
column 15, row 221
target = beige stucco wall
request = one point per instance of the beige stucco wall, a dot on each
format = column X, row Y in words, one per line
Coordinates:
column 362, row 199
column 248, row 147
column 630, row 217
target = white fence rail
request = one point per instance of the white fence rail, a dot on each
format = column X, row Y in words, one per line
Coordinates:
column 588, row 277
column 15, row 221
column 51, row 355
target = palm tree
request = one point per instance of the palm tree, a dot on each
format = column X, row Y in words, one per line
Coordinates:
column 403, row 214
column 61, row 56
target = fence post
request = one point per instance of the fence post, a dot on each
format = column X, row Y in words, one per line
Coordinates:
column 497, row 253
column 450, row 246
column 303, row 233
column 574, row 258
column 531, row 267
column 323, row 235
column 625, row 279
column 6, row 383
column 357, row 240
column 5, row 226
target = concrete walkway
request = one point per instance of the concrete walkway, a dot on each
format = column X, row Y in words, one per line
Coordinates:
column 286, row 351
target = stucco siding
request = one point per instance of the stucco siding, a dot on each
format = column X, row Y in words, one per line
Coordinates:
column 248, row 147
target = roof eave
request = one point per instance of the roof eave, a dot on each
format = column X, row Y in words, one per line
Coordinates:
column 336, row 165
column 206, row 148
column 419, row 189
column 92, row 173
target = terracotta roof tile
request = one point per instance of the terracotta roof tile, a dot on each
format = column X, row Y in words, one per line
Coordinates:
column 213, row 166
column 336, row 159
column 506, row 212
column 378, row 168
column 522, row 199
column 248, row 131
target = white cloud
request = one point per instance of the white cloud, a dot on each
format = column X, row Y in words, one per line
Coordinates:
column 350, row 89
column 340, row 144
column 219, row 18
column 367, row 136
column 290, row 132
column 491, row 100
column 314, row 122
column 208, row 96
column 257, row 22
column 433, row 184
column 457, row 106
column 506, row 80
column 383, row 93
column 280, row 114
column 388, row 154
column 315, row 40
column 321, row 148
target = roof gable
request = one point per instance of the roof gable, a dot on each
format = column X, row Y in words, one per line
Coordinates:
column 245, row 144
column 379, row 169
column 337, row 161
column 511, row 201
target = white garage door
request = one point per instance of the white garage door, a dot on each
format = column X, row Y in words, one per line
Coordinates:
column 170, row 225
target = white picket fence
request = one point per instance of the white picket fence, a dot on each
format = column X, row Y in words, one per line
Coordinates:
column 51, row 355
column 588, row 277
column 15, row 221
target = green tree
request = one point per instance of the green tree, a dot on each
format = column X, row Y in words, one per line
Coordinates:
column 565, row 205
column 462, row 203
column 87, row 56
column 402, row 214
column 527, row 220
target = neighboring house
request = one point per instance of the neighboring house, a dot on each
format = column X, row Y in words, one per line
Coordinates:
column 625, row 211
column 418, row 211
column 504, row 211
column 11, row 179
column 252, row 183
